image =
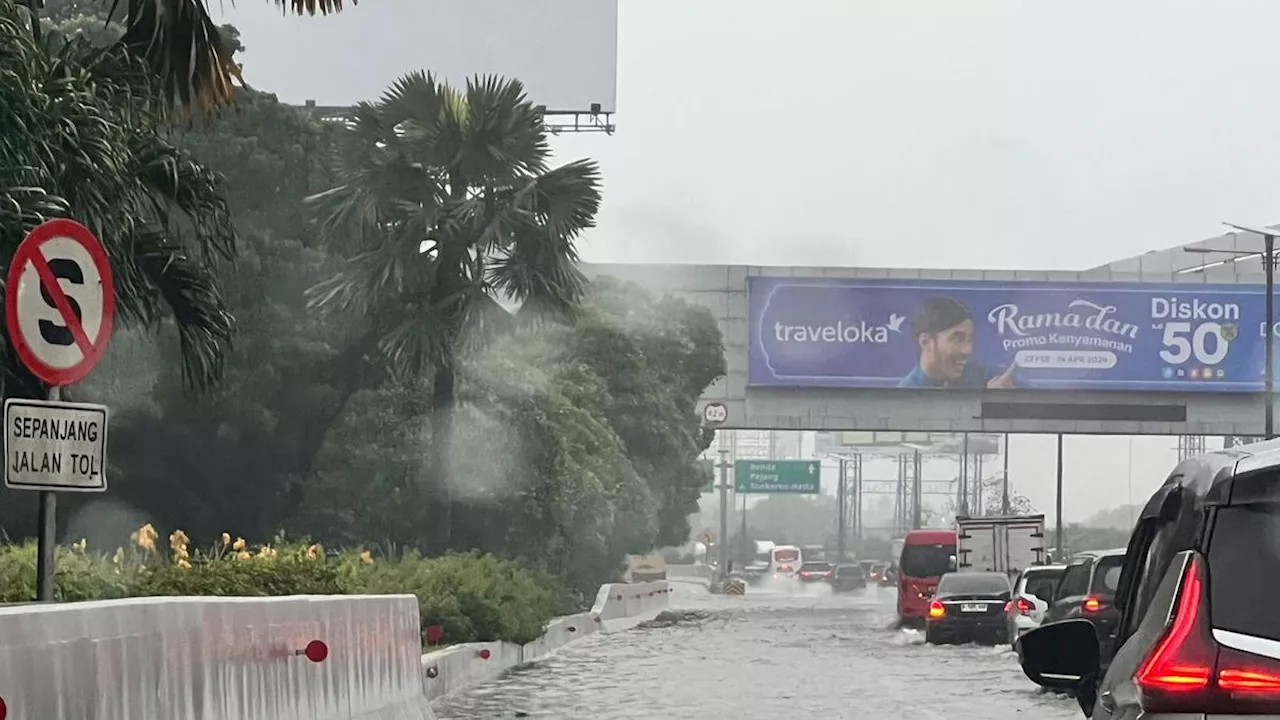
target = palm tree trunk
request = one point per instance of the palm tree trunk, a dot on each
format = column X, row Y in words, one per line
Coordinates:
column 443, row 401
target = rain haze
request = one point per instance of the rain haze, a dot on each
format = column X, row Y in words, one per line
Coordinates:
column 898, row 134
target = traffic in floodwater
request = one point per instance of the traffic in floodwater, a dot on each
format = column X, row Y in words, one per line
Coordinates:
column 785, row 649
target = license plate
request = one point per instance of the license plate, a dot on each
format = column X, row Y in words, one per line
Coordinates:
column 973, row 607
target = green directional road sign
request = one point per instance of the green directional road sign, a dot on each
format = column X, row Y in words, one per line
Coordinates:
column 707, row 469
column 803, row 477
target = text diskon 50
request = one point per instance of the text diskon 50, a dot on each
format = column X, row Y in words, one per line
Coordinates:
column 1205, row 343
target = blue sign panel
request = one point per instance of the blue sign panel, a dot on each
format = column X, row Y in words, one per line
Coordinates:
column 854, row 333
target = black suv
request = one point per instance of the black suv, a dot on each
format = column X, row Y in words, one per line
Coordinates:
column 1087, row 590
column 1195, row 635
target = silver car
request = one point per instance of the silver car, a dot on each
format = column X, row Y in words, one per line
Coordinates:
column 1032, row 593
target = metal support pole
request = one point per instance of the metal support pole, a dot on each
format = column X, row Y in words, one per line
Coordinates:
column 842, row 497
column 1058, row 553
column 1268, row 260
column 723, row 540
column 1005, row 508
column 917, row 512
column 46, row 551
column 857, row 497
column 963, row 507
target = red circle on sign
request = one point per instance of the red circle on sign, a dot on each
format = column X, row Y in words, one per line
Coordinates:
column 29, row 253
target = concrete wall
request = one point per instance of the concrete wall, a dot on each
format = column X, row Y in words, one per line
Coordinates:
column 723, row 290
column 618, row 607
column 195, row 658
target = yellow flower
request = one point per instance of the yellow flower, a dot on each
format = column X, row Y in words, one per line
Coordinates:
column 80, row 546
column 178, row 539
column 181, row 553
column 238, row 545
column 313, row 552
column 182, row 563
column 146, row 542
column 366, row 557
column 226, row 538
column 267, row 552
column 148, row 530
column 243, row 555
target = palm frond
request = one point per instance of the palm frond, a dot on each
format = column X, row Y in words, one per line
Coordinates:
column 445, row 206
column 187, row 51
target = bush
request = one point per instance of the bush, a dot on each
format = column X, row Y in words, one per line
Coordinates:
column 474, row 597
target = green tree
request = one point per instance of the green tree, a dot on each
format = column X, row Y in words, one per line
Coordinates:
column 190, row 58
column 162, row 216
column 443, row 204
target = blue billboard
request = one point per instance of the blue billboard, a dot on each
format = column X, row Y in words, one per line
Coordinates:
column 859, row 333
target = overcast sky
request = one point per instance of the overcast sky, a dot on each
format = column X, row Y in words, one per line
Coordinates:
column 985, row 133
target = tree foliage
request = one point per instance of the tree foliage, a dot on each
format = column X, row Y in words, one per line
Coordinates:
column 571, row 428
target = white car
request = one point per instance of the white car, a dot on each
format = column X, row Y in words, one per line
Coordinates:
column 1031, row 595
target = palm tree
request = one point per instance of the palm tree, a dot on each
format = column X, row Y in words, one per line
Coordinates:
column 87, row 146
column 446, row 206
column 178, row 40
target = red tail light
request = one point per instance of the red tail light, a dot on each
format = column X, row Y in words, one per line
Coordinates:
column 1025, row 606
column 1189, row 672
column 937, row 609
column 1091, row 605
column 1008, row 608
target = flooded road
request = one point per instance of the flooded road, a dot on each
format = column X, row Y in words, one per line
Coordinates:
column 766, row 656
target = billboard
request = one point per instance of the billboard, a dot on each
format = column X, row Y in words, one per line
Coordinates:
column 564, row 51
column 917, row 334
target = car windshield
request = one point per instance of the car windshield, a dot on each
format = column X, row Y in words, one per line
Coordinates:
column 786, row 555
column 927, row 560
column 815, row 567
column 1106, row 575
column 848, row 571
column 974, row 584
column 1041, row 583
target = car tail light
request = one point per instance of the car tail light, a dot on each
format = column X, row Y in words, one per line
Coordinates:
column 1025, row 606
column 937, row 609
column 1188, row 672
column 1008, row 608
column 1091, row 605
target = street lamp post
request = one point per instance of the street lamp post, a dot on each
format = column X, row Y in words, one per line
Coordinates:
column 1268, row 265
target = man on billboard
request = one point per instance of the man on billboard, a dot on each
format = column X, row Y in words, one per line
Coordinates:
column 943, row 328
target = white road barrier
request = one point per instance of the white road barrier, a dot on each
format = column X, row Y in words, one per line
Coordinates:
column 187, row 658
column 618, row 607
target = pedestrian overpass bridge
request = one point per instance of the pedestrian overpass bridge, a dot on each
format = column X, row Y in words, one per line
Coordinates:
column 1165, row 343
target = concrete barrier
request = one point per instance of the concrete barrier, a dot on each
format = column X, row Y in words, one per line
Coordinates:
column 618, row 607
column 187, row 658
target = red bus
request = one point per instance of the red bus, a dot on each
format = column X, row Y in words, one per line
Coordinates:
column 927, row 555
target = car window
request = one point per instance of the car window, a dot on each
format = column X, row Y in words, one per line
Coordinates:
column 815, row 567
column 1075, row 580
column 927, row 560
column 974, row 583
column 1244, row 569
column 1106, row 576
column 845, row 571
column 1041, row 584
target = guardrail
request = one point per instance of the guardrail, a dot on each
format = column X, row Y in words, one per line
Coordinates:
column 340, row 657
column 618, row 607
column 345, row 657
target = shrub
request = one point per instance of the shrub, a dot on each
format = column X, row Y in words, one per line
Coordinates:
column 474, row 597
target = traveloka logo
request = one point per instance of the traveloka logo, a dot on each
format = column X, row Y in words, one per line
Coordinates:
column 840, row 332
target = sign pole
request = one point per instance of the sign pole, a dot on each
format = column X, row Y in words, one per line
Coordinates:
column 842, row 492
column 59, row 305
column 723, row 545
column 47, row 547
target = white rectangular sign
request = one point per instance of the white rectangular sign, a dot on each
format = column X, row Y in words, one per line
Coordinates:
column 58, row 446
